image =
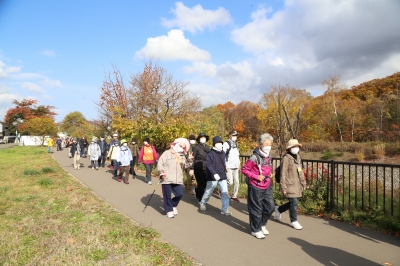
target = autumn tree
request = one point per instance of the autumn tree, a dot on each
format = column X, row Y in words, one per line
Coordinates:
column 76, row 125
column 40, row 126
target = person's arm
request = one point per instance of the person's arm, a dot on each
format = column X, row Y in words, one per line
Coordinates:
column 284, row 173
column 248, row 169
column 209, row 164
column 141, row 155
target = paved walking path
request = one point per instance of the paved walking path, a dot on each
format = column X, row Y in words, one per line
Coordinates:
column 215, row 239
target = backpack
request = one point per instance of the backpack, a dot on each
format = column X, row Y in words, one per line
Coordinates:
column 278, row 174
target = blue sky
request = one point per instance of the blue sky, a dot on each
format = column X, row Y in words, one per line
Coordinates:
column 58, row 51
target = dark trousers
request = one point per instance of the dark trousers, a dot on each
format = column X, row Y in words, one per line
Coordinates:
column 169, row 202
column 115, row 164
column 102, row 159
column 149, row 168
column 133, row 163
column 260, row 204
column 200, row 176
column 59, row 147
column 292, row 206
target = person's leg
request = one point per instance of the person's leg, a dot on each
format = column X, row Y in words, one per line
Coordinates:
column 208, row 191
column 115, row 164
column 235, row 176
column 229, row 177
column 178, row 193
column 168, row 204
column 201, row 182
column 223, row 188
column 254, row 208
column 75, row 160
column 284, row 207
column 148, row 167
column 78, row 160
column 126, row 170
column 133, row 165
column 293, row 209
column 96, row 164
column 268, row 205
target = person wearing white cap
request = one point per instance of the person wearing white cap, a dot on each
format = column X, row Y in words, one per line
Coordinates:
column 231, row 150
column 115, row 140
column 94, row 153
column 170, row 167
column 292, row 182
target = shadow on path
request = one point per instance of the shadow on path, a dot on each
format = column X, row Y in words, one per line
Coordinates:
column 331, row 256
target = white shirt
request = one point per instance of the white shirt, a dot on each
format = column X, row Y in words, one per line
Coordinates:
column 233, row 158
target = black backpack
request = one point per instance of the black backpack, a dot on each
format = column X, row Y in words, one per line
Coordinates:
column 229, row 149
column 278, row 174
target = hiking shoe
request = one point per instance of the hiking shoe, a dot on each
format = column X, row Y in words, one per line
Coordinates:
column 202, row 206
column 277, row 214
column 149, row 182
column 235, row 200
column 258, row 235
column 296, row 225
column 170, row 214
column 175, row 211
column 227, row 213
column 264, row 230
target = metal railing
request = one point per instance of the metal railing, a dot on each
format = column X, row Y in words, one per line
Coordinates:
column 354, row 185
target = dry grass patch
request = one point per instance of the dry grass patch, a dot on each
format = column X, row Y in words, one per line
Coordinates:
column 48, row 218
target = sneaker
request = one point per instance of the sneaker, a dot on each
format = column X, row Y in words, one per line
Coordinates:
column 202, row 206
column 277, row 213
column 119, row 179
column 264, row 231
column 170, row 214
column 296, row 225
column 227, row 213
column 149, row 182
column 126, row 183
column 235, row 200
column 175, row 211
column 258, row 235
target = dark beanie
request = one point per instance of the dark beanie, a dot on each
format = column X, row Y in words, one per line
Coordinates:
column 146, row 139
column 217, row 139
column 133, row 139
column 192, row 137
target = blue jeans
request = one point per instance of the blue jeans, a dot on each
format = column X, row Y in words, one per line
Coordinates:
column 223, row 188
column 50, row 149
column 115, row 164
column 292, row 206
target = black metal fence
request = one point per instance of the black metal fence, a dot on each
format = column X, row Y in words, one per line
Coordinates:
column 354, row 185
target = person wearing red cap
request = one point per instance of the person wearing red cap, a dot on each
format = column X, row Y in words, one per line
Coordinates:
column 170, row 168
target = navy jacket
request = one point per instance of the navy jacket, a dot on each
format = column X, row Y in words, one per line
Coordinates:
column 103, row 146
column 216, row 165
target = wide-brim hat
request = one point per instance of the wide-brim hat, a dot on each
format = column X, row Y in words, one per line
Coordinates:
column 216, row 140
column 202, row 135
column 184, row 141
column 292, row 143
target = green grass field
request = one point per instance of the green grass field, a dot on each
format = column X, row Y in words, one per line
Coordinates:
column 49, row 218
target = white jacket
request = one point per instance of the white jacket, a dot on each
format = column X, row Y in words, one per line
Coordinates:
column 233, row 157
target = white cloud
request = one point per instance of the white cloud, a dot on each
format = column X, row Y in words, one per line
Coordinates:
column 5, row 71
column 196, row 18
column 49, row 53
column 172, row 47
column 30, row 86
column 51, row 83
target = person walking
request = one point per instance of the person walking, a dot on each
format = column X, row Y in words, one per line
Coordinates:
column 115, row 139
column 84, row 145
column 189, row 173
column 50, row 144
column 231, row 150
column 113, row 154
column 199, row 167
column 170, row 166
column 69, row 145
column 103, row 150
column 260, row 198
column 58, row 143
column 94, row 153
column 293, row 182
column 124, row 160
column 216, row 175
column 148, row 156
column 76, row 152
column 134, row 147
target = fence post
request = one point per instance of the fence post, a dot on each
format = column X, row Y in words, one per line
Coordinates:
column 332, row 185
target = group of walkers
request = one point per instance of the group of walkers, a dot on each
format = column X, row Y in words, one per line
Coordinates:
column 206, row 168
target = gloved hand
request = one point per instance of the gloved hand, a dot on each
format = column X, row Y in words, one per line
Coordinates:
column 216, row 177
column 191, row 172
column 119, row 163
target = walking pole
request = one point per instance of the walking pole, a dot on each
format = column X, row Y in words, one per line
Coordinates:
column 159, row 181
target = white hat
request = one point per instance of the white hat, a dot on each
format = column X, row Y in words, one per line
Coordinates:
column 115, row 135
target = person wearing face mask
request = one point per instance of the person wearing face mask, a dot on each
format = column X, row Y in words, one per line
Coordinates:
column 170, row 168
column 216, row 175
column 231, row 150
column 200, row 151
column 113, row 154
column 76, row 153
column 115, row 140
column 124, row 161
column 189, row 173
column 260, row 198
column 148, row 155
column 134, row 147
column 292, row 182
column 94, row 153
column 103, row 150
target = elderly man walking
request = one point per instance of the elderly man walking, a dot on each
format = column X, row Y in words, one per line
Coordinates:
column 231, row 150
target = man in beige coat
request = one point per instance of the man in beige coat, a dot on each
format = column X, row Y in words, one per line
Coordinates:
column 292, row 182
column 170, row 167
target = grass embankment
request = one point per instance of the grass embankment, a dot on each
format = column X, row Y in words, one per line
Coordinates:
column 49, row 218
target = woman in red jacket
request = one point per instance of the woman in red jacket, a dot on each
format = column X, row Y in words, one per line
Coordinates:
column 148, row 156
